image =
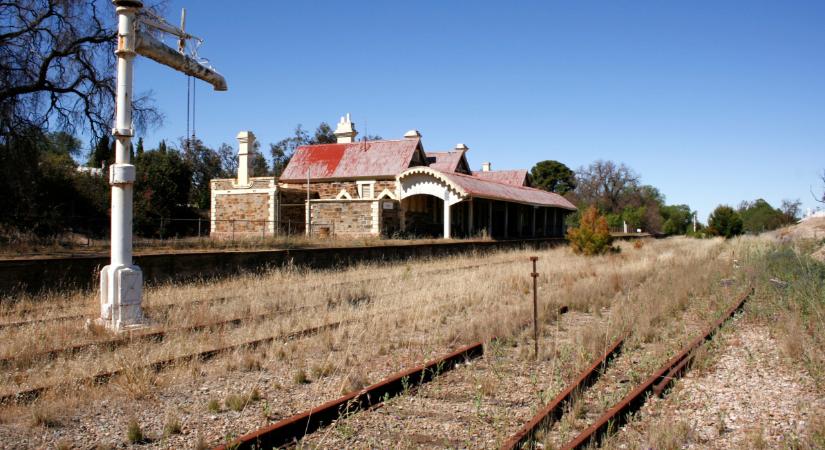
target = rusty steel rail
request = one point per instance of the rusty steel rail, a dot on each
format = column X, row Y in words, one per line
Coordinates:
column 294, row 428
column 156, row 336
column 656, row 383
column 30, row 395
column 163, row 307
column 555, row 409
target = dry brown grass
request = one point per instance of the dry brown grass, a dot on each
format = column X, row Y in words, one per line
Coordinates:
column 398, row 314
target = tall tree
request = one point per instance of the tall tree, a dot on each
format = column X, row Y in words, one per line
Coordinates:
column 553, row 176
column 229, row 160
column 725, row 221
column 56, row 60
column 759, row 216
column 791, row 210
column 678, row 219
column 140, row 146
column 324, row 134
column 162, row 189
column 204, row 165
column 103, row 151
column 603, row 184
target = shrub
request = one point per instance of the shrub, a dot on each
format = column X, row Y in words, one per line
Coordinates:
column 725, row 221
column 236, row 402
column 213, row 406
column 592, row 236
column 300, row 377
column 172, row 426
column 134, row 434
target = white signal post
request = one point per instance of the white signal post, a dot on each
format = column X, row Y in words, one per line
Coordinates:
column 121, row 282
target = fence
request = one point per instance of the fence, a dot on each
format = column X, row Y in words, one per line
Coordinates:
column 148, row 232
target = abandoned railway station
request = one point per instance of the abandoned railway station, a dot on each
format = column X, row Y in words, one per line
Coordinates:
column 384, row 187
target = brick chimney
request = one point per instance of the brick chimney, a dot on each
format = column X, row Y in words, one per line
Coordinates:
column 246, row 149
column 345, row 131
column 485, row 167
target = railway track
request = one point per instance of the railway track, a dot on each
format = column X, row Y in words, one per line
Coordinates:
column 655, row 384
column 431, row 408
column 116, row 341
column 27, row 396
column 546, row 429
column 292, row 429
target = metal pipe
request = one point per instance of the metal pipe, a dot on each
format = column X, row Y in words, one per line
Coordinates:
column 155, row 50
column 535, row 276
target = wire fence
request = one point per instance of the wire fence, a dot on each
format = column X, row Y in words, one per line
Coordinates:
column 80, row 231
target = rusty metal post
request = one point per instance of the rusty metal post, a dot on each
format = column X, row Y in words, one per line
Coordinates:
column 535, row 276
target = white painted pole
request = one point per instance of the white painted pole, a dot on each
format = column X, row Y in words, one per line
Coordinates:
column 446, row 219
column 121, row 283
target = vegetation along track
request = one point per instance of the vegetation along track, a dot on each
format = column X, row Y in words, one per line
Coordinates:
column 386, row 334
column 535, row 431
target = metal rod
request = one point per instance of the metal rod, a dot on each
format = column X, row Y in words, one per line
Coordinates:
column 535, row 276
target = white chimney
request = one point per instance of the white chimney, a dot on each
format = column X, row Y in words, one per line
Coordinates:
column 485, row 167
column 246, row 149
column 461, row 146
column 412, row 134
column 345, row 131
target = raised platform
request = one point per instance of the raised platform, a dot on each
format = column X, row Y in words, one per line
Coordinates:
column 52, row 273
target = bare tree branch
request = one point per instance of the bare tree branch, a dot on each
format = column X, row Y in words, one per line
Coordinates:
column 56, row 68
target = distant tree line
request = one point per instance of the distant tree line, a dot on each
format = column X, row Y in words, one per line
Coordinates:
column 43, row 192
column 617, row 193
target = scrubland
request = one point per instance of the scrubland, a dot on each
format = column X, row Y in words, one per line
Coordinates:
column 391, row 315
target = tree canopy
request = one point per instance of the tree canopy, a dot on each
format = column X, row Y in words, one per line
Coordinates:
column 56, row 68
column 553, row 176
column 725, row 221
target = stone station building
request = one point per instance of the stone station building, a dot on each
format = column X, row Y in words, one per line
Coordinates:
column 385, row 187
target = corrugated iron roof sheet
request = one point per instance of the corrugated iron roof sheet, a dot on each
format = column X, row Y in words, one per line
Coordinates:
column 516, row 177
column 479, row 187
column 445, row 161
column 358, row 159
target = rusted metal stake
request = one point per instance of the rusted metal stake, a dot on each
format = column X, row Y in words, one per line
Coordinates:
column 535, row 307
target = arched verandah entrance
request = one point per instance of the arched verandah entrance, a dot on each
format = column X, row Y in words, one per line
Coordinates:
column 433, row 204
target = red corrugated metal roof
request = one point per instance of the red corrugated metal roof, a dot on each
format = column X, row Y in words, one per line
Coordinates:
column 470, row 186
column 479, row 187
column 358, row 159
column 445, row 161
column 516, row 177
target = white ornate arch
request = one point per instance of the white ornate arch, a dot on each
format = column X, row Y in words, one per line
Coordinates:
column 427, row 181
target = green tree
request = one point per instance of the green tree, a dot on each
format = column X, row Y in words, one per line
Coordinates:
column 324, row 134
column 791, row 210
column 162, row 189
column 204, row 164
column 553, row 176
column 724, row 221
column 104, row 151
column 140, row 146
column 759, row 216
column 229, row 160
column 678, row 219
column 258, row 167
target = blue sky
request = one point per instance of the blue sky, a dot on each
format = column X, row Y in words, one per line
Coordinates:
column 710, row 101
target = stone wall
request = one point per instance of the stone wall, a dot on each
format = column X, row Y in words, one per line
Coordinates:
column 241, row 214
column 331, row 189
column 348, row 218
